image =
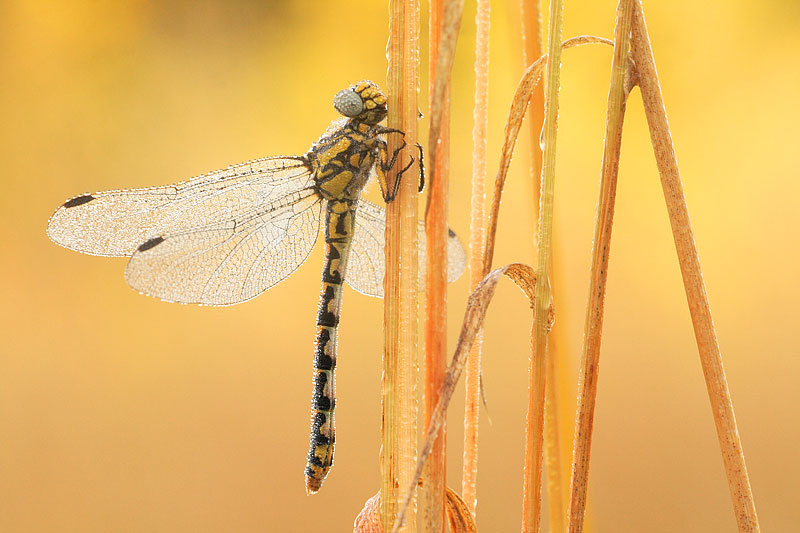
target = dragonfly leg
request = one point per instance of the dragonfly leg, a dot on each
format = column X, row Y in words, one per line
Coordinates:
column 421, row 169
column 382, row 130
column 386, row 163
column 390, row 164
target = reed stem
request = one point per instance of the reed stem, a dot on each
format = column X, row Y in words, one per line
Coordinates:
column 480, row 116
column 699, row 309
column 399, row 400
column 532, row 488
column 432, row 492
column 587, row 382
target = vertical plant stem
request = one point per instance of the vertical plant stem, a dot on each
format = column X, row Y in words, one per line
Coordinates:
column 705, row 335
column 480, row 117
column 532, row 50
column 535, row 420
column 432, row 492
column 556, row 479
column 587, row 381
column 519, row 106
column 525, row 278
column 399, row 404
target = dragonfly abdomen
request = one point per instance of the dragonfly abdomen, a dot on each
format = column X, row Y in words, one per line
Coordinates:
column 339, row 222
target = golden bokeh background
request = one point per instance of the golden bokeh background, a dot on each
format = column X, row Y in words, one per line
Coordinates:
column 122, row 413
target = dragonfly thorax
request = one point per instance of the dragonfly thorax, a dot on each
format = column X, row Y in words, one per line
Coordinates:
column 341, row 161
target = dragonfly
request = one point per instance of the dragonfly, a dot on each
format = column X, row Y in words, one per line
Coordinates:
column 227, row 236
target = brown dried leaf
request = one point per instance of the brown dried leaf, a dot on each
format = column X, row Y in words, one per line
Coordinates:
column 519, row 106
column 461, row 520
column 369, row 519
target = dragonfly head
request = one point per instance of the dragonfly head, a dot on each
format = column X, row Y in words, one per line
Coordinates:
column 362, row 101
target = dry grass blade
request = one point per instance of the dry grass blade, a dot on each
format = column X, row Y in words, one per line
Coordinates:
column 450, row 26
column 534, row 426
column 532, row 50
column 556, row 419
column 555, row 437
column 525, row 278
column 699, row 309
column 476, row 242
column 399, row 399
column 444, row 22
column 519, row 106
column 587, row 383
column 459, row 514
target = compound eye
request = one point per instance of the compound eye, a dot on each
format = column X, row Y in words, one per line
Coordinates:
column 348, row 103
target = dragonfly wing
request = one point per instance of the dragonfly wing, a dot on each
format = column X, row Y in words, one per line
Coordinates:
column 231, row 260
column 366, row 264
column 115, row 223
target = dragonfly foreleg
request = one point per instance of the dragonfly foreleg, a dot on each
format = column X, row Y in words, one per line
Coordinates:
column 386, row 163
column 421, row 169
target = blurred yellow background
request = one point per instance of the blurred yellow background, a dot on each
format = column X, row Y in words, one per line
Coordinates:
column 122, row 413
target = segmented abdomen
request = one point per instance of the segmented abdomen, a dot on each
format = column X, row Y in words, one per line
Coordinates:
column 338, row 236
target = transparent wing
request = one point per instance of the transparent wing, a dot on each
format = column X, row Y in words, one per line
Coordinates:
column 232, row 259
column 366, row 265
column 115, row 223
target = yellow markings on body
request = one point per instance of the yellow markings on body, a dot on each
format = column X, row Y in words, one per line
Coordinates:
column 314, row 480
column 340, row 221
column 330, row 153
column 343, row 218
column 339, row 208
column 335, row 264
column 383, row 180
column 328, row 347
column 336, row 185
column 355, row 160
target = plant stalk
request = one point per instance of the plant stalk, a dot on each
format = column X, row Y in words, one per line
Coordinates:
column 535, row 419
column 432, row 492
column 480, row 116
column 587, row 381
column 699, row 309
column 399, row 400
